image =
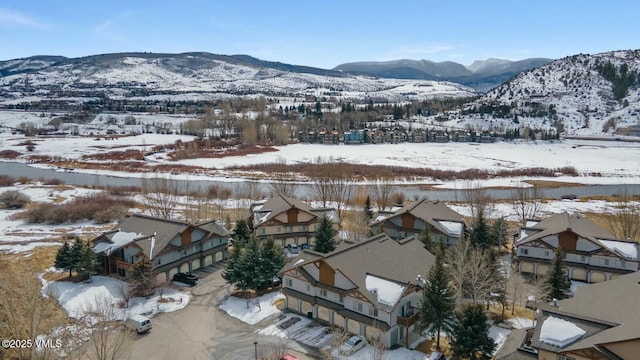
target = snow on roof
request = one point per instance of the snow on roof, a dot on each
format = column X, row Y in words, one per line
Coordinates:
column 388, row 292
column 559, row 332
column 531, row 223
column 626, row 249
column 119, row 239
column 452, row 227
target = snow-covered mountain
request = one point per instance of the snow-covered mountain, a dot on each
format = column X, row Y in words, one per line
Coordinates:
column 200, row 75
column 580, row 94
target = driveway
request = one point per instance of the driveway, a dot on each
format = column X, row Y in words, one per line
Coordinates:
column 202, row 331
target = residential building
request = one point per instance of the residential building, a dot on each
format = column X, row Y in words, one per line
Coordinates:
column 591, row 253
column 600, row 322
column 446, row 224
column 172, row 246
column 353, row 137
column 370, row 288
column 288, row 220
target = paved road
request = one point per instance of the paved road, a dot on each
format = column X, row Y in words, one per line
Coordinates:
column 202, row 331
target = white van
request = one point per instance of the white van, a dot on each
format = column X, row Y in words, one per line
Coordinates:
column 138, row 323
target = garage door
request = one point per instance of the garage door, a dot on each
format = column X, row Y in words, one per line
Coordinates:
column 354, row 327
column 306, row 308
column 289, row 241
column 614, row 276
column 173, row 272
column 579, row 274
column 161, row 278
column 372, row 333
column 208, row 260
column 526, row 267
column 323, row 313
column 195, row 264
column 184, row 267
column 292, row 303
column 219, row 256
column 338, row 320
column 542, row 269
column 597, row 277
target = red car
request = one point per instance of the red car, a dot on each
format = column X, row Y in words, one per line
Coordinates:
column 289, row 357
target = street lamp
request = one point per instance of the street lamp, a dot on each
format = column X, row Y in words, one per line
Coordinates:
column 255, row 347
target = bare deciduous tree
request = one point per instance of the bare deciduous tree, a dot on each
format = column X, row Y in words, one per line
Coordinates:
column 526, row 203
column 161, row 196
column 477, row 198
column 381, row 192
column 479, row 280
column 624, row 220
column 273, row 350
column 109, row 337
column 457, row 260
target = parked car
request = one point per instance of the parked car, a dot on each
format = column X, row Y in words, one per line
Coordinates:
column 186, row 278
column 436, row 355
column 293, row 249
column 138, row 323
column 352, row 345
column 305, row 246
column 289, row 357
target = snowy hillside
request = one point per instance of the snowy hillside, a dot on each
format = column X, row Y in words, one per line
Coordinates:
column 570, row 94
column 121, row 76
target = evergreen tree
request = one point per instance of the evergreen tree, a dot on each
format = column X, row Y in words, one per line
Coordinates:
column 248, row 271
column 272, row 259
column 241, row 232
column 324, row 235
column 86, row 259
column 64, row 259
column 470, row 334
column 556, row 281
column 438, row 300
column 426, row 237
column 500, row 232
column 230, row 273
column 368, row 213
column 480, row 236
column 142, row 277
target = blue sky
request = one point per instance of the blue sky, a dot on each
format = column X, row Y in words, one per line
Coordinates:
column 321, row 33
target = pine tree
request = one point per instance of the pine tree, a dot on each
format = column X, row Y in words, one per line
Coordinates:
column 480, row 235
column 438, row 300
column 556, row 280
column 142, row 277
column 241, row 232
column 426, row 237
column 368, row 213
column 272, row 259
column 64, row 258
column 86, row 259
column 500, row 232
column 249, row 275
column 230, row 273
column 324, row 236
column 470, row 334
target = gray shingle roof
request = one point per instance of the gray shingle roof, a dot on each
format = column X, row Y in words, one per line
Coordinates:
column 430, row 212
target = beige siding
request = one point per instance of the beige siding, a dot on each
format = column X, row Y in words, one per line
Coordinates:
column 323, row 313
column 208, row 260
column 338, row 320
column 354, row 327
column 597, row 277
column 195, row 264
column 161, row 277
column 184, row 267
column 542, row 269
column 172, row 272
column 526, row 267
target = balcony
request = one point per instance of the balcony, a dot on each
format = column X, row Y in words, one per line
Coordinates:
column 410, row 317
column 121, row 264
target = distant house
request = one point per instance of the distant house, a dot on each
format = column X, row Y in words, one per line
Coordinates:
column 288, row 220
column 371, row 288
column 353, row 137
column 446, row 224
column 600, row 322
column 591, row 253
column 172, row 246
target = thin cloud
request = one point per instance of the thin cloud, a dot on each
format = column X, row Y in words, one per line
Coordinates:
column 106, row 25
column 14, row 18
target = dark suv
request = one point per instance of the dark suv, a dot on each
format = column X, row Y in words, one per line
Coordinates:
column 186, row 278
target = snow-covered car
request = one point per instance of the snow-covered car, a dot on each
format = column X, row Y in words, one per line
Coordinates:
column 293, row 249
column 186, row 278
column 352, row 345
column 436, row 355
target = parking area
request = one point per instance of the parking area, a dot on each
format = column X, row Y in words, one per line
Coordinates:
column 202, row 331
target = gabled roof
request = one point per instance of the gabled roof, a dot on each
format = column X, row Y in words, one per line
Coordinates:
column 435, row 213
column 393, row 261
column 279, row 203
column 582, row 227
column 151, row 234
column 612, row 305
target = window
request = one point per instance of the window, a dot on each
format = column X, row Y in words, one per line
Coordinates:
column 289, row 282
column 357, row 305
column 323, row 292
column 546, row 253
column 261, row 231
column 604, row 262
column 279, row 229
column 524, row 251
column 373, row 311
column 289, row 228
column 308, row 288
column 303, row 228
column 341, row 299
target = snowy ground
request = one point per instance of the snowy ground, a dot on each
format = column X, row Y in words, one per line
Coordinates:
column 252, row 311
column 79, row 300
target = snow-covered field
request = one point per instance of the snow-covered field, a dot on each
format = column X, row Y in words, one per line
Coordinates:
column 80, row 300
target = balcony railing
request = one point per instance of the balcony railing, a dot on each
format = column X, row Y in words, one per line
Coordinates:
column 411, row 317
column 120, row 264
